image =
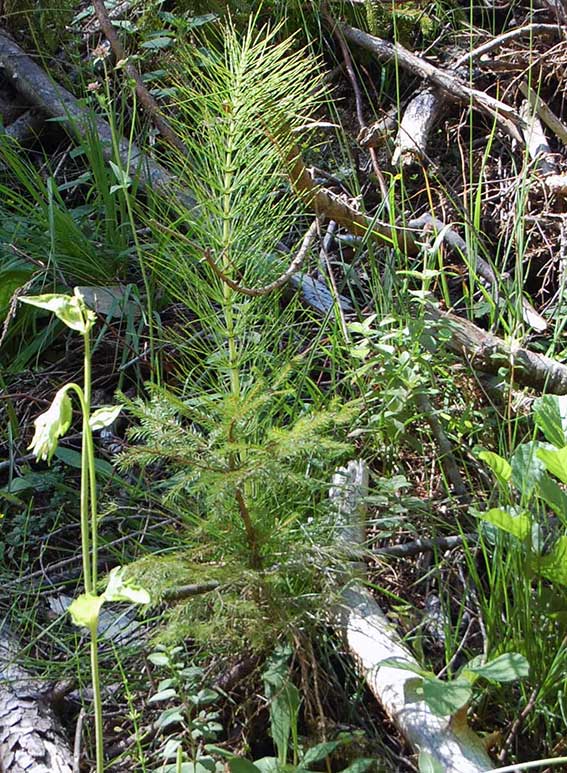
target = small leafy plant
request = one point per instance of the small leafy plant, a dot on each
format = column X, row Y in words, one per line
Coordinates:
column 49, row 427
column 446, row 698
column 529, row 484
column 190, row 712
column 285, row 701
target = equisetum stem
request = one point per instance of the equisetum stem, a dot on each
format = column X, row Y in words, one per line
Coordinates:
column 97, row 699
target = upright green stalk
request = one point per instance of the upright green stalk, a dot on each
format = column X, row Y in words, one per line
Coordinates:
column 227, row 292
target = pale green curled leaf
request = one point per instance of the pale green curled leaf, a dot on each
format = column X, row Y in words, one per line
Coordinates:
column 319, row 752
column 119, row 589
column 446, row 698
column 499, row 466
column 70, row 309
column 242, row 765
column 104, row 416
column 517, row 525
column 52, row 425
column 555, row 462
column 428, row 764
column 505, row 668
column 404, row 665
column 85, row 609
column 554, row 496
column 550, row 415
column 527, row 467
column 553, row 566
column 269, row 765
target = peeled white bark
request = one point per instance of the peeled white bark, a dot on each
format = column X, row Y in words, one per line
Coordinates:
column 371, row 638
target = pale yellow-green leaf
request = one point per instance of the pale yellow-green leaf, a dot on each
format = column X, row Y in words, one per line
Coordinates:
column 119, row 589
column 85, row 609
column 518, row 525
column 69, row 309
column 104, row 416
column 52, row 425
column 555, row 462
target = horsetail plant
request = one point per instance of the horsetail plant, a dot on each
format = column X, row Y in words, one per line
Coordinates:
column 49, row 427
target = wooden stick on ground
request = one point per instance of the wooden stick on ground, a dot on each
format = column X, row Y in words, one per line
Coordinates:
column 488, row 353
column 445, row 80
column 371, row 638
column 146, row 100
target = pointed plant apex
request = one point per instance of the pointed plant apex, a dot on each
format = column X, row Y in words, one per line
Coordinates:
column 70, row 309
column 51, row 425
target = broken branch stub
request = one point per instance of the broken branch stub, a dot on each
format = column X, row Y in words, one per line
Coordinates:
column 371, row 638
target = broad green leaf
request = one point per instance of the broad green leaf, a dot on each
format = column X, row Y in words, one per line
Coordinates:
column 172, row 716
column 550, row 415
column 159, row 658
column 360, row 765
column 269, row 765
column 284, row 709
column 104, row 416
column 527, row 467
column 554, row 496
column 505, row 668
column 242, row 765
column 499, row 466
column 52, row 425
column 555, row 462
column 404, row 665
column 68, row 308
column 428, row 764
column 446, row 698
column 157, row 43
column 163, row 695
column 85, row 609
column 553, row 566
column 119, row 589
column 319, row 752
column 73, row 459
column 517, row 525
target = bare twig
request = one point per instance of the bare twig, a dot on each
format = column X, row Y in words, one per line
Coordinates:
column 194, row 589
column 278, row 283
column 447, row 458
column 418, row 546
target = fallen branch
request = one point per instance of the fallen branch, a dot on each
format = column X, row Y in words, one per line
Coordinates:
column 445, row 80
column 545, row 113
column 475, row 263
column 56, row 102
column 146, row 100
column 418, row 546
column 486, row 352
column 420, row 116
column 371, row 638
column 536, row 141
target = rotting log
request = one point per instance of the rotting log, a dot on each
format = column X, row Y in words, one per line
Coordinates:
column 371, row 638
column 31, row 737
column 32, row 82
column 489, row 353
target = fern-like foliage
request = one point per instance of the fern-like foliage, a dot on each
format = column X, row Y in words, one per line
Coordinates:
column 214, row 453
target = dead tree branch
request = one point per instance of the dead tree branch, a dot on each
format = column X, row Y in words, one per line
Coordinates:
column 146, row 100
column 486, row 352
